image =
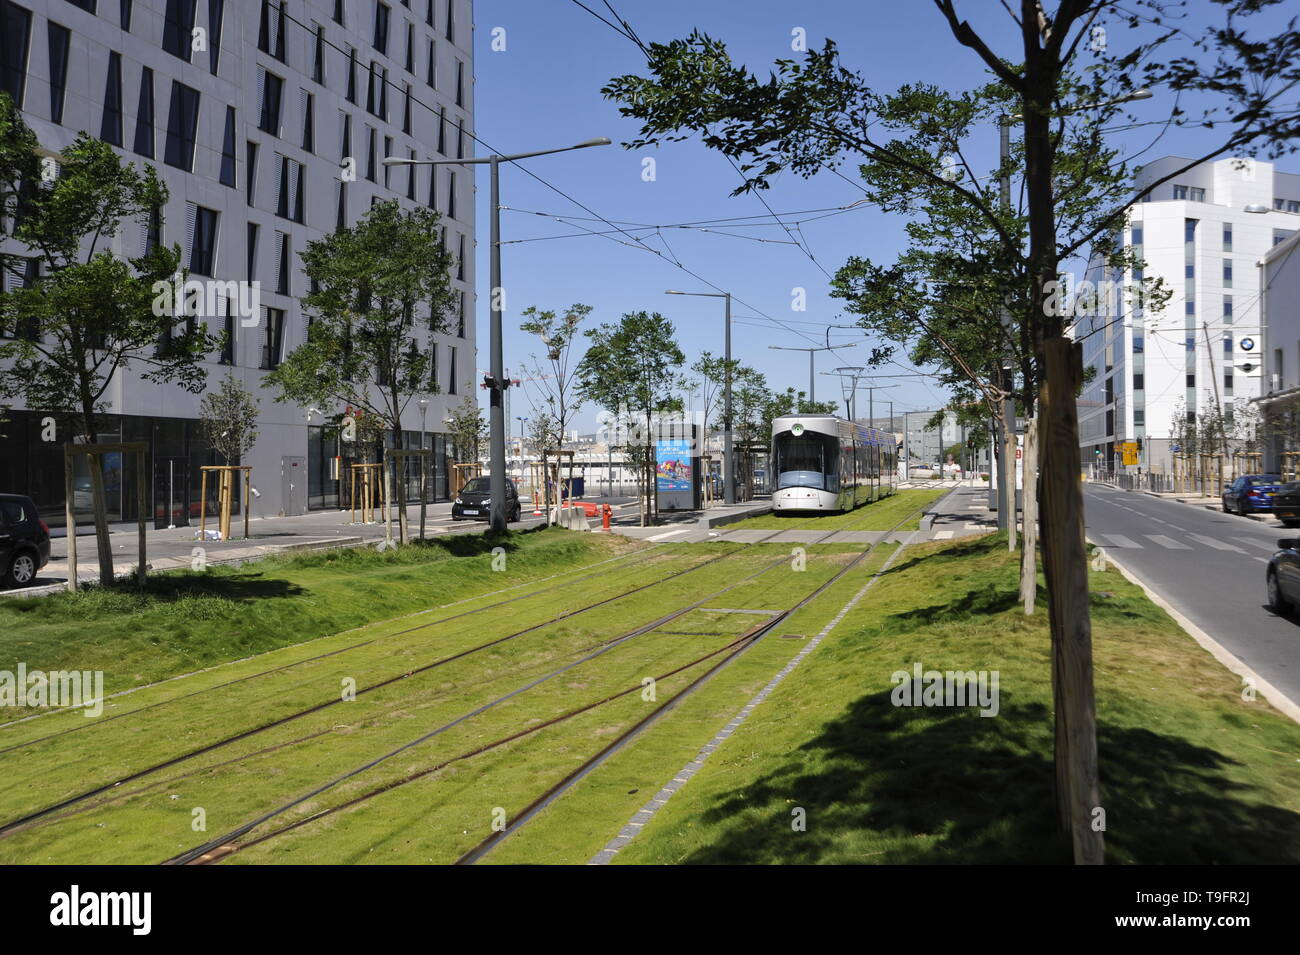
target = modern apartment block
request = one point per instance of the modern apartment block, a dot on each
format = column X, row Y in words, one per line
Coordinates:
column 268, row 121
column 1205, row 233
column 1280, row 403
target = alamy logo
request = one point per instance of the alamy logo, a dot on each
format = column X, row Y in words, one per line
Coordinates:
column 208, row 299
column 58, row 688
column 946, row 688
column 103, row 908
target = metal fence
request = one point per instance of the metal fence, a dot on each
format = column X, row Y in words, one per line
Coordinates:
column 1147, row 481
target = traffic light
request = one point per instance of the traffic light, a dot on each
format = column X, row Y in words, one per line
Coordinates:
column 1097, row 451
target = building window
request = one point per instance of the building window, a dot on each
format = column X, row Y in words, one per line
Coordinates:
column 216, row 13
column 431, row 75
column 1227, row 382
column 451, row 194
column 252, row 251
column 15, row 35
column 282, row 263
column 388, row 170
column 182, row 124
column 410, row 48
column 318, row 60
column 1227, row 237
column 308, row 102
column 227, row 356
column 1227, row 309
column 203, row 240
column 460, row 316
column 60, row 40
column 270, row 34
column 1136, row 234
column 338, row 13
column 1191, row 380
column 370, row 158
column 341, row 213
column 1281, row 235
column 1196, row 194
column 1227, row 346
column 1139, row 417
column 144, row 115
column 381, row 27
column 442, row 130
column 1293, row 205
column 406, row 111
column 460, row 257
column 110, row 129
column 124, row 14
column 1139, row 344
column 1139, row 382
column 250, row 174
column 1227, row 273
column 451, row 21
column 227, row 176
column 451, row 370
column 178, row 28
column 274, row 326
column 410, row 176
column 289, row 186
column 433, row 187
column 352, row 75
column 1180, row 192
column 272, row 97
column 460, row 83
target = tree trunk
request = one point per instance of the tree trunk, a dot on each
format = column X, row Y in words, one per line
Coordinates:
column 102, row 543
column 1066, row 569
column 1029, row 543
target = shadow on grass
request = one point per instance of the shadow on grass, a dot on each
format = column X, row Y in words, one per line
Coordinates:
column 886, row 784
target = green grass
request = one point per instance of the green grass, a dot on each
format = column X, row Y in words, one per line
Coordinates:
column 1191, row 773
column 880, row 515
column 188, row 620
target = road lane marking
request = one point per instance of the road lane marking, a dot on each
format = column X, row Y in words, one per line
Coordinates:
column 1168, row 542
column 1119, row 540
column 659, row 537
column 1216, row 544
column 942, row 535
column 1257, row 543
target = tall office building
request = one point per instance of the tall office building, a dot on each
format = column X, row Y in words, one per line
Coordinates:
column 268, row 120
column 1205, row 233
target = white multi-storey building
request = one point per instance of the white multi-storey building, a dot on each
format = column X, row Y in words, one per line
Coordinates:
column 254, row 113
column 1205, row 233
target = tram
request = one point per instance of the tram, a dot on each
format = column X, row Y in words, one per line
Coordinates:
column 824, row 463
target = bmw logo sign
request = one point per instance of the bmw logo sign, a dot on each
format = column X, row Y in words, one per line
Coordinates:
column 1246, row 344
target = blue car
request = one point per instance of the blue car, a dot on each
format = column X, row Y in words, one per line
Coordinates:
column 1251, row 493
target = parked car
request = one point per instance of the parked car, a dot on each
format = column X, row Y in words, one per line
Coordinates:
column 1251, row 492
column 1286, row 504
column 24, row 541
column 1283, row 576
column 474, row 500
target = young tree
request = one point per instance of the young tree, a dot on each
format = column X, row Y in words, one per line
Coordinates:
column 807, row 116
column 84, row 315
column 554, row 373
column 228, row 417
column 634, row 370
column 376, row 284
column 468, row 429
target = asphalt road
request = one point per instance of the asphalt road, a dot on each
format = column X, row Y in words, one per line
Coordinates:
column 1209, row 565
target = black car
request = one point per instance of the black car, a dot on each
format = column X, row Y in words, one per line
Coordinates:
column 1250, row 493
column 474, row 500
column 1283, row 576
column 24, row 541
column 1286, row 504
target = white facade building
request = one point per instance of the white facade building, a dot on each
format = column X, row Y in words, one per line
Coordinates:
column 253, row 112
column 1205, row 345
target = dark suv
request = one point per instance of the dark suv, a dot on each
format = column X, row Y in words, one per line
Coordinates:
column 473, row 501
column 24, row 541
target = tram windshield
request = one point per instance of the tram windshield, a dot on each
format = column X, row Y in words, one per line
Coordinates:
column 804, row 460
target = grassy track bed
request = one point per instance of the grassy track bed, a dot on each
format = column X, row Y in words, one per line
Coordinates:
column 189, row 620
column 348, row 735
column 46, row 772
column 578, row 825
column 1191, row 771
column 880, row 515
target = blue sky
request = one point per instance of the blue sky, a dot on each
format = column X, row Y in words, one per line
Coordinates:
column 543, row 90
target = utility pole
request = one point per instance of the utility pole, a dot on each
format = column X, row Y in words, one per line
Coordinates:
column 812, row 386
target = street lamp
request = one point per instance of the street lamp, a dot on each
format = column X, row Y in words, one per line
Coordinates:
column 728, row 462
column 424, row 469
column 495, row 380
column 522, row 421
column 850, row 391
column 812, row 388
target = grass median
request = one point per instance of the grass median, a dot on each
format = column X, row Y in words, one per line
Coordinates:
column 1191, row 771
column 880, row 515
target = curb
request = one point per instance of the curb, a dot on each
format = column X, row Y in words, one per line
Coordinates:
column 1279, row 700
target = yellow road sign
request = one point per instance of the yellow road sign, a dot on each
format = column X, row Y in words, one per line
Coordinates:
column 1130, row 451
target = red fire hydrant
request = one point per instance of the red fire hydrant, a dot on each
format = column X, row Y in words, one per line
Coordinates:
column 605, row 512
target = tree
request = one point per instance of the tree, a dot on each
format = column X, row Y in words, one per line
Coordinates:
column 554, row 373
column 634, row 370
column 84, row 316
column 374, row 285
column 228, row 417
column 468, row 429
column 807, row 116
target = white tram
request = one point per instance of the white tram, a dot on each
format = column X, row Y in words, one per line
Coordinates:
column 824, row 463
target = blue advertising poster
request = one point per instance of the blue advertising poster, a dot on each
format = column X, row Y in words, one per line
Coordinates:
column 673, row 477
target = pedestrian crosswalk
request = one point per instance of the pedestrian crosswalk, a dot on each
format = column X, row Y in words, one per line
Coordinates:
column 1191, row 542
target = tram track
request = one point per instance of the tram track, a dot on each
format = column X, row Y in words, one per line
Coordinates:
column 218, row 849
column 24, row 822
